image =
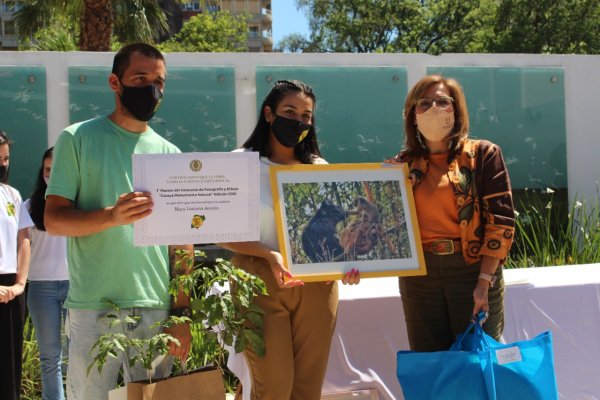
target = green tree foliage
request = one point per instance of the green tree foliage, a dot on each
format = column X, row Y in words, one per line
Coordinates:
column 453, row 26
column 406, row 26
column 449, row 26
column 547, row 26
column 358, row 25
column 93, row 21
column 60, row 35
column 292, row 43
column 211, row 32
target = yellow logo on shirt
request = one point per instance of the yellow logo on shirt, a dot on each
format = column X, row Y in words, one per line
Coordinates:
column 10, row 209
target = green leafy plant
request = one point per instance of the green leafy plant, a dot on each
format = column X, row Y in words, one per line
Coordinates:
column 549, row 231
column 219, row 316
column 31, row 378
column 210, row 32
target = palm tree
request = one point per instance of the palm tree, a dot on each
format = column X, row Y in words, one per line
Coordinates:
column 96, row 25
column 129, row 20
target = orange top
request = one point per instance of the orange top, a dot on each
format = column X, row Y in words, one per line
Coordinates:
column 435, row 202
column 483, row 199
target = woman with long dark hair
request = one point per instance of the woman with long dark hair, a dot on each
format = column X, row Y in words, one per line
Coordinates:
column 48, row 286
column 14, row 266
column 299, row 318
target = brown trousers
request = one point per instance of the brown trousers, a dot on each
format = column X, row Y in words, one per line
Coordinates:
column 298, row 327
column 438, row 306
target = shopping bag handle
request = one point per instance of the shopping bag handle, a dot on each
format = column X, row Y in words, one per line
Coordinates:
column 484, row 347
column 478, row 335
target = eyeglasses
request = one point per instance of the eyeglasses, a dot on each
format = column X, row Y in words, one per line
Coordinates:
column 442, row 102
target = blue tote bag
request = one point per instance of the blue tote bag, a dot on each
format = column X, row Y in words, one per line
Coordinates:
column 478, row 367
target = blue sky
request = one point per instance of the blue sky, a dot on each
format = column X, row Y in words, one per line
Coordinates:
column 287, row 19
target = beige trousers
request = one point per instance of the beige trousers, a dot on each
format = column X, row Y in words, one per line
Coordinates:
column 298, row 327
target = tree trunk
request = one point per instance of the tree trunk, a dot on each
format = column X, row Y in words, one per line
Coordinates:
column 96, row 25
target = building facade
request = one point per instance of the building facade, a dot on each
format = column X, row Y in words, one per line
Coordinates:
column 260, row 25
column 8, row 31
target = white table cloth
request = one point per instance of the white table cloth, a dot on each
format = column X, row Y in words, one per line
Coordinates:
column 564, row 300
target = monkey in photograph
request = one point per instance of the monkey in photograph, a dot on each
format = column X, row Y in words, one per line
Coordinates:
column 365, row 231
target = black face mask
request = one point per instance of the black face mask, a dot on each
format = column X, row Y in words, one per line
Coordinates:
column 141, row 102
column 289, row 132
column 3, row 173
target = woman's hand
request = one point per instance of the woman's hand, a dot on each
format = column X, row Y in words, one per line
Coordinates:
column 283, row 277
column 352, row 277
column 489, row 265
column 393, row 160
column 5, row 294
column 480, row 297
column 8, row 293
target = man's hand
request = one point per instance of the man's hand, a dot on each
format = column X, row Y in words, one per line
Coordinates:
column 63, row 219
column 183, row 333
column 130, row 207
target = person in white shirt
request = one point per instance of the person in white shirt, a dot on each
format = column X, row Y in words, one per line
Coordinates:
column 48, row 287
column 299, row 318
column 14, row 266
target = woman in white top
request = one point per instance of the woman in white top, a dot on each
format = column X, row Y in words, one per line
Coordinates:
column 48, row 286
column 14, row 265
column 299, row 318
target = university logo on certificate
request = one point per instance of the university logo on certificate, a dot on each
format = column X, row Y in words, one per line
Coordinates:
column 198, row 197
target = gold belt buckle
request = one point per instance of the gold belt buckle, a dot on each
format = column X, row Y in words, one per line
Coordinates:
column 442, row 247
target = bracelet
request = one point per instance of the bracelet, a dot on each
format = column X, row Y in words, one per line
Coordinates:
column 181, row 312
column 487, row 277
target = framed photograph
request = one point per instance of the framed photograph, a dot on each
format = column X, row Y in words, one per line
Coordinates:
column 335, row 217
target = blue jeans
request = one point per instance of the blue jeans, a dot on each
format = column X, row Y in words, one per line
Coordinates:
column 45, row 300
column 84, row 327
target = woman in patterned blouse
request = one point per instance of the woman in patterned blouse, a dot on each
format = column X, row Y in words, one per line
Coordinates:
column 465, row 214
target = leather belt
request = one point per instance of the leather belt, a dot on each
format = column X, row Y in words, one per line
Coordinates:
column 442, row 247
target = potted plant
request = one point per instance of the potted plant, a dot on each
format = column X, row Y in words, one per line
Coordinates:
column 223, row 313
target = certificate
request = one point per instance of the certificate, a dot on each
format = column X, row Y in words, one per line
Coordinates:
column 198, row 197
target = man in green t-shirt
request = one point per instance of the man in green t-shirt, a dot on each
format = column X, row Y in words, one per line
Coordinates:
column 90, row 199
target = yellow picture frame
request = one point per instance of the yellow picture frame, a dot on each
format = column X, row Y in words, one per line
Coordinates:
column 334, row 217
